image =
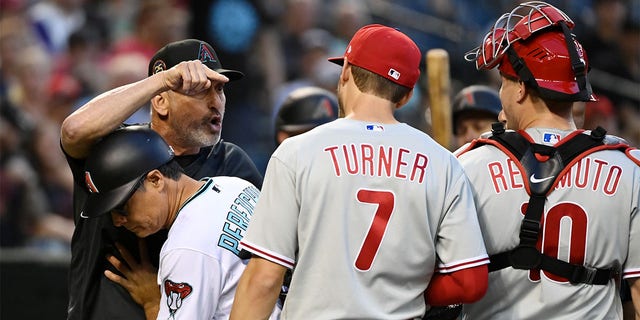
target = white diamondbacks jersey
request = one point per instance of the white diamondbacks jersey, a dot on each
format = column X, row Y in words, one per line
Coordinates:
column 199, row 264
column 361, row 211
column 590, row 218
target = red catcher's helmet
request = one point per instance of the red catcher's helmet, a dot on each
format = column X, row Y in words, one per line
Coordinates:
column 533, row 43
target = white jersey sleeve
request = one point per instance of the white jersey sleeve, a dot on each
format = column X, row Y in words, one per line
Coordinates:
column 283, row 244
column 190, row 283
column 631, row 268
column 459, row 219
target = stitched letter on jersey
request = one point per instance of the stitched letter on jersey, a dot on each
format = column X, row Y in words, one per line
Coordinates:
column 381, row 161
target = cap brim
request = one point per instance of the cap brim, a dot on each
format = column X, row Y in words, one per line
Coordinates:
column 98, row 204
column 337, row 60
column 231, row 74
column 297, row 127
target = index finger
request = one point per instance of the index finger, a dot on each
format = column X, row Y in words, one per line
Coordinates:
column 215, row 76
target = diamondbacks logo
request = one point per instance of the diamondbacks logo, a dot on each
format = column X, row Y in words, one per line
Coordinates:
column 205, row 55
column 89, row 182
column 323, row 109
column 176, row 293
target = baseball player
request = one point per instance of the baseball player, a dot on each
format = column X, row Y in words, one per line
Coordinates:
column 304, row 109
column 558, row 206
column 185, row 90
column 132, row 174
column 475, row 108
column 368, row 210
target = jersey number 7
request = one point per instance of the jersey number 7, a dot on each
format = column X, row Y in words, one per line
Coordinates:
column 385, row 201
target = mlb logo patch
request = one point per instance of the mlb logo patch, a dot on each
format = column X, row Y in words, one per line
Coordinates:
column 375, row 127
column 394, row 74
column 551, row 137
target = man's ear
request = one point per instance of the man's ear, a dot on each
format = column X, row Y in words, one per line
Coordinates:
column 404, row 99
column 345, row 73
column 160, row 104
column 155, row 179
column 522, row 91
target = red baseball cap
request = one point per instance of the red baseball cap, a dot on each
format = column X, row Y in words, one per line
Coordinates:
column 386, row 52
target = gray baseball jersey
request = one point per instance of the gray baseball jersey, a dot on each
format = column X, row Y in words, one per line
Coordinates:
column 590, row 218
column 199, row 263
column 364, row 213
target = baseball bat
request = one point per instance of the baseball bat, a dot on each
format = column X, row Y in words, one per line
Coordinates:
column 439, row 87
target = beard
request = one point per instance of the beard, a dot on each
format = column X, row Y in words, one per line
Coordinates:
column 191, row 134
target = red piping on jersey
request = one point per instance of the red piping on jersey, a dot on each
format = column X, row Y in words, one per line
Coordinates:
column 631, row 274
column 463, row 265
column 268, row 256
column 628, row 153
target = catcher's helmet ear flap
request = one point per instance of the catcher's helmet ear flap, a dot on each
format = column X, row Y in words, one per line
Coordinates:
column 306, row 108
column 476, row 99
column 116, row 164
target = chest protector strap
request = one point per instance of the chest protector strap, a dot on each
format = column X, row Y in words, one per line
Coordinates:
column 542, row 165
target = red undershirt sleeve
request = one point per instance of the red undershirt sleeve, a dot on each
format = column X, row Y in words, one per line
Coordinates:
column 463, row 286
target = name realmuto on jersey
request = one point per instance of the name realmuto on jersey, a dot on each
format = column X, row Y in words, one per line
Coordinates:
column 381, row 161
column 238, row 218
column 591, row 173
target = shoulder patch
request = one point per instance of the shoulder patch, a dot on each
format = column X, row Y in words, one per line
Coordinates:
column 176, row 292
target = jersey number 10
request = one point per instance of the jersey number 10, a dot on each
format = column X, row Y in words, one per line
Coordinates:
column 562, row 213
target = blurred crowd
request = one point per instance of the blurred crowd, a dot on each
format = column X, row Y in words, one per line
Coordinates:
column 57, row 54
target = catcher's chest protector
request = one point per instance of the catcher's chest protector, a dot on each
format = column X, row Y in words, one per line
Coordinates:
column 537, row 160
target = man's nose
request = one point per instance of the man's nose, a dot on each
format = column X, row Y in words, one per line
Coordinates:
column 118, row 219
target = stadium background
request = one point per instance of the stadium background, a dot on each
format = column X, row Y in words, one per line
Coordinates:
column 57, row 54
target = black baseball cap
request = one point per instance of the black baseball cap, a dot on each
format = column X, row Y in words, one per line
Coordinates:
column 189, row 49
column 117, row 163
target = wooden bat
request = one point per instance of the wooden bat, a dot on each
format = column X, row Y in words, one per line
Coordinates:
column 439, row 85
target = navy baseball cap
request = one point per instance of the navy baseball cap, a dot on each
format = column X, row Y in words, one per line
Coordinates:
column 189, row 49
